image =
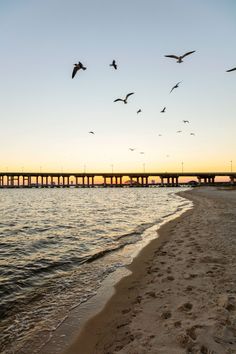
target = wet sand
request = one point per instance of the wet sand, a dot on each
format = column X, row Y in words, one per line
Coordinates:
column 181, row 295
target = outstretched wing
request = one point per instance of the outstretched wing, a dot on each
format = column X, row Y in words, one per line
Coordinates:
column 188, row 53
column 228, row 71
column 74, row 71
column 129, row 94
column 118, row 99
column 172, row 56
column 81, row 66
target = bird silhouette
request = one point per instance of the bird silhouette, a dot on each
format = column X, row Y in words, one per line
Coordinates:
column 159, row 134
column 163, row 110
column 139, row 111
column 192, row 134
column 180, row 58
column 114, row 64
column 186, row 121
column 228, row 71
column 77, row 67
column 125, row 99
column 179, row 131
column 175, row 87
column 131, row 149
column 91, row 132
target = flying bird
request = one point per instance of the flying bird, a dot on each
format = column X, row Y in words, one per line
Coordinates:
column 174, row 87
column 180, row 58
column 125, row 99
column 131, row 149
column 91, row 132
column 192, row 134
column 139, row 111
column 163, row 110
column 77, row 67
column 228, row 71
column 179, row 131
column 186, row 121
column 114, row 64
column 159, row 134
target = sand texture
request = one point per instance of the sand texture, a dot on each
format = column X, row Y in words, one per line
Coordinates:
column 181, row 296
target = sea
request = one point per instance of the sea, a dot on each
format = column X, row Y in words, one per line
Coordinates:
column 57, row 246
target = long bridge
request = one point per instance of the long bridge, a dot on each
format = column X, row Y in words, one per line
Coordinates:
column 114, row 179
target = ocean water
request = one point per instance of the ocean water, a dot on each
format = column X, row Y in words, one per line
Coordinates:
column 58, row 245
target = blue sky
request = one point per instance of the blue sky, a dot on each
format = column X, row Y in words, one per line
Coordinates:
column 46, row 116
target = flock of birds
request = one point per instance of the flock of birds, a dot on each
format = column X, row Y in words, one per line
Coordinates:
column 179, row 59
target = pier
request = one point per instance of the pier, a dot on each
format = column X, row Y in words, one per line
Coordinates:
column 126, row 179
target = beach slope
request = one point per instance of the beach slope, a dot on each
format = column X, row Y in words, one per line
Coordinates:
column 181, row 295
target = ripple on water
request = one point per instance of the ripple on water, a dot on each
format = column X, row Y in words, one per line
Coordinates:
column 58, row 245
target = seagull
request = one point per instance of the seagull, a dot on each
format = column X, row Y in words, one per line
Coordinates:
column 179, row 131
column 163, row 110
column 114, row 64
column 186, row 121
column 192, row 134
column 228, row 71
column 77, row 67
column 180, row 58
column 131, row 149
column 139, row 111
column 125, row 99
column 91, row 132
column 174, row 87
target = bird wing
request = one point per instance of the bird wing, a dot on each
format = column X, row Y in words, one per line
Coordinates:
column 188, row 53
column 228, row 71
column 81, row 66
column 118, row 99
column 74, row 71
column 172, row 89
column 129, row 94
column 172, row 56
column 91, row 132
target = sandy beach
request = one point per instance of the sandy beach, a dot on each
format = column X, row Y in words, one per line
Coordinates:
column 180, row 297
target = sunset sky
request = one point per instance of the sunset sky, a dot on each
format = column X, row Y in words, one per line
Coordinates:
column 46, row 116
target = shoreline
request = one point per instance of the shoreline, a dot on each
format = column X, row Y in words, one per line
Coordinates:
column 68, row 330
column 163, row 300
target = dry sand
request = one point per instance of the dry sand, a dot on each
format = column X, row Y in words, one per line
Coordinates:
column 181, row 296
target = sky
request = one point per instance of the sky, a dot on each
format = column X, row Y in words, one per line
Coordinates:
column 46, row 115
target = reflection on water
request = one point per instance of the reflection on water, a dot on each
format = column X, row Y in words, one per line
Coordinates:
column 58, row 245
